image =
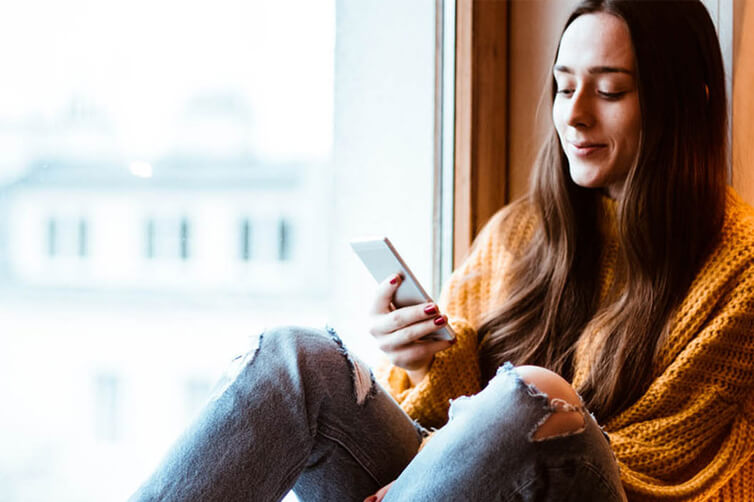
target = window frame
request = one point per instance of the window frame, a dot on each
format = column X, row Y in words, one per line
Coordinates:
column 480, row 182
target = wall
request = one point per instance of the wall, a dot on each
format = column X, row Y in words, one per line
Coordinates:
column 532, row 52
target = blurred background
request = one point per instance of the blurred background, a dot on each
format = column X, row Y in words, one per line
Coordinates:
column 174, row 178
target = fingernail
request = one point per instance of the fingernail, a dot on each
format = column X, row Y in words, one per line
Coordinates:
column 430, row 310
column 371, row 498
column 394, row 280
column 439, row 321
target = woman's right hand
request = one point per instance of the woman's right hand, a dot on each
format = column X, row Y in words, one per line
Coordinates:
column 399, row 331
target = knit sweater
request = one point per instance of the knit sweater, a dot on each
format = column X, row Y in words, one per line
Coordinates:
column 691, row 435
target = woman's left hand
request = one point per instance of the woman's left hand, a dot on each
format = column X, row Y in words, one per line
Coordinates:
column 377, row 497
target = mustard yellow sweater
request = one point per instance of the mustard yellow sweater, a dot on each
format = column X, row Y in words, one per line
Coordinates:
column 691, row 435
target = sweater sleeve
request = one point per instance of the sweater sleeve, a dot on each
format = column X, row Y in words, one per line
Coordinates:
column 465, row 298
column 691, row 431
column 454, row 372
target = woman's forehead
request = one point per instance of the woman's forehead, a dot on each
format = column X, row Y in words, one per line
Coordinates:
column 597, row 40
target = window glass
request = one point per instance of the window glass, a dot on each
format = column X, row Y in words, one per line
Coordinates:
column 175, row 177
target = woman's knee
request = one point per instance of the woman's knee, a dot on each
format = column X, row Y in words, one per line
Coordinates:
column 320, row 351
column 300, row 341
column 304, row 344
column 567, row 416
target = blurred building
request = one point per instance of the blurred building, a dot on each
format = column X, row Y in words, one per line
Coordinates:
column 181, row 223
column 127, row 285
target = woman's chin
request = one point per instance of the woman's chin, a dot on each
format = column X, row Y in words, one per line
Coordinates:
column 587, row 179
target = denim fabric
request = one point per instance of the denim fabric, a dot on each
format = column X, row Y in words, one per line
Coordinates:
column 486, row 452
column 300, row 412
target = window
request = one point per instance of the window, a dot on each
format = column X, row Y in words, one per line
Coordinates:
column 52, row 237
column 107, row 407
column 175, row 177
column 67, row 237
column 284, row 240
column 83, row 238
column 167, row 238
column 184, row 239
column 149, row 233
column 246, row 240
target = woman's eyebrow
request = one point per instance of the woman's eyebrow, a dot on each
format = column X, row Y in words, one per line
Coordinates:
column 593, row 70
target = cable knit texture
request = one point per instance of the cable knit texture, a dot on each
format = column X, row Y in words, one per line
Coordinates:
column 691, row 435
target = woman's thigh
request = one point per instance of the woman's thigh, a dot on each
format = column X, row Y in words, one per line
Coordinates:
column 489, row 451
column 298, row 409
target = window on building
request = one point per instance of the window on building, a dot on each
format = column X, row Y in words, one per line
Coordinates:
column 246, row 240
column 107, row 406
column 184, row 239
column 167, row 238
column 52, row 237
column 149, row 239
column 83, row 238
column 284, row 240
column 67, row 237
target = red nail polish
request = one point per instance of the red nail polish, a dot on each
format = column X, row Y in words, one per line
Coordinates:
column 430, row 310
column 371, row 498
column 439, row 321
column 394, row 280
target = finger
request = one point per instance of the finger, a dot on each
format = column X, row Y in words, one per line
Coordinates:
column 403, row 317
column 417, row 354
column 384, row 294
column 410, row 334
column 383, row 491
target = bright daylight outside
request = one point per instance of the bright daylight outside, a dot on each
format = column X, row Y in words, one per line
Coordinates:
column 174, row 178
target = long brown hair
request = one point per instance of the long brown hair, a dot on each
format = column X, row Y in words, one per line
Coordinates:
column 668, row 217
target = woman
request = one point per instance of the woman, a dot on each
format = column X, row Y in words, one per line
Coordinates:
column 627, row 274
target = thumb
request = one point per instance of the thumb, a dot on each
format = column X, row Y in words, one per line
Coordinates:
column 384, row 295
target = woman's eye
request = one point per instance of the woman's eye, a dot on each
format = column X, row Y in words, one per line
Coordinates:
column 610, row 95
column 565, row 92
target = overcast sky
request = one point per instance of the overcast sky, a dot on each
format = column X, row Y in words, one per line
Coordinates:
column 141, row 59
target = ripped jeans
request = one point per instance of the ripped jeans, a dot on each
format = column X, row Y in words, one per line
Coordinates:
column 300, row 412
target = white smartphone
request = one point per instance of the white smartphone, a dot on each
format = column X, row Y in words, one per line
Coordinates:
column 382, row 260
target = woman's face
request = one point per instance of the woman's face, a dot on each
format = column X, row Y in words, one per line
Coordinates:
column 596, row 109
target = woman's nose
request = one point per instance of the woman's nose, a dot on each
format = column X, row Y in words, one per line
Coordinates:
column 579, row 112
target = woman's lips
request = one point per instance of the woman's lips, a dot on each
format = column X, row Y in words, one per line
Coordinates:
column 587, row 149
